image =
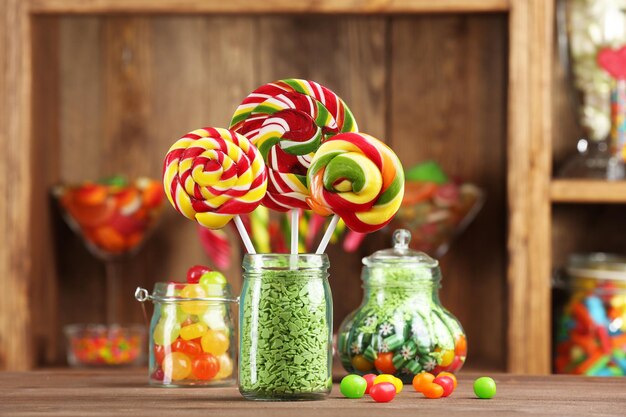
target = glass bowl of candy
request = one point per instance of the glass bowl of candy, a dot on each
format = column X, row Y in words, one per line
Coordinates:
column 102, row 345
column 591, row 330
column 401, row 328
column 192, row 332
column 435, row 208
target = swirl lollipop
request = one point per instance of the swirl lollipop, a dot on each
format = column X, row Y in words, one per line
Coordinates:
column 212, row 175
column 357, row 177
column 287, row 120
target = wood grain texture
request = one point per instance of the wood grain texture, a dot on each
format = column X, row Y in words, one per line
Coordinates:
column 529, row 167
column 452, row 112
column 17, row 184
column 272, row 6
column 588, row 191
column 125, row 393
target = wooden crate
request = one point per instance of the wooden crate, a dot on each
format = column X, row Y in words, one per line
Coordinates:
column 96, row 87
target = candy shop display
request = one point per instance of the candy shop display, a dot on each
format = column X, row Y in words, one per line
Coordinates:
column 285, row 327
column 485, row 387
column 112, row 215
column 435, row 208
column 96, row 345
column 591, row 331
column 401, row 327
column 192, row 335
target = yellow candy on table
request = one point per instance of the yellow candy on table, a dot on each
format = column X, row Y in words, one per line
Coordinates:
column 193, row 331
column 193, row 307
column 226, row 366
column 215, row 342
column 391, row 379
column 176, row 366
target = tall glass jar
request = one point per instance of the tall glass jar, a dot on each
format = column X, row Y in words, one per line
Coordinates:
column 285, row 316
column 401, row 328
column 191, row 334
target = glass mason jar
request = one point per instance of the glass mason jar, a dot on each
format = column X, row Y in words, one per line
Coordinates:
column 401, row 328
column 285, row 316
column 191, row 334
column 591, row 331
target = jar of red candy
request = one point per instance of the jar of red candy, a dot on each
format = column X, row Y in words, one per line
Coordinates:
column 401, row 328
column 591, row 330
column 192, row 335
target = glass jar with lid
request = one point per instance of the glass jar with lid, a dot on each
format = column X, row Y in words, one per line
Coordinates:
column 191, row 334
column 401, row 328
column 591, row 330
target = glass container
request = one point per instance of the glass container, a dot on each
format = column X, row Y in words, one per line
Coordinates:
column 401, row 328
column 285, row 315
column 191, row 334
column 591, row 330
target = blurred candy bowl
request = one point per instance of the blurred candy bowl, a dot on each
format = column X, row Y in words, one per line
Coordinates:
column 97, row 345
column 436, row 209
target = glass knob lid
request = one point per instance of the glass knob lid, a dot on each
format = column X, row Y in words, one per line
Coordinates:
column 400, row 253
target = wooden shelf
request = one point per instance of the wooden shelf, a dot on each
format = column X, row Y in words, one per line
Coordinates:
column 269, row 6
column 588, row 191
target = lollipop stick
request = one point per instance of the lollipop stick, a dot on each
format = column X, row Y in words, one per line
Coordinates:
column 244, row 235
column 327, row 235
column 295, row 220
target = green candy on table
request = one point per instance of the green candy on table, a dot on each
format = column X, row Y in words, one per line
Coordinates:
column 429, row 171
column 353, row 386
column 485, row 387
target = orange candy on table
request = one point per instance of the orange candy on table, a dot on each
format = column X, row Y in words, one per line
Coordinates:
column 433, row 391
column 422, row 381
column 215, row 342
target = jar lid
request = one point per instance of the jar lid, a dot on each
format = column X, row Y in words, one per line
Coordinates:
column 598, row 265
column 400, row 253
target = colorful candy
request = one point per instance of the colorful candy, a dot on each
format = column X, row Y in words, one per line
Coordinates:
column 212, row 174
column 357, row 177
column 369, row 378
column 176, row 366
column 195, row 272
column 205, row 366
column 433, row 391
column 446, row 383
column 383, row 392
column 287, row 120
column 353, row 386
column 485, row 387
column 423, row 380
column 215, row 342
column 102, row 345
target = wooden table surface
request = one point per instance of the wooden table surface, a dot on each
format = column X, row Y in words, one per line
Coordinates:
column 125, row 393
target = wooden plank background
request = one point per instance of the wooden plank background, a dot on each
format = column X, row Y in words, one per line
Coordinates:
column 432, row 86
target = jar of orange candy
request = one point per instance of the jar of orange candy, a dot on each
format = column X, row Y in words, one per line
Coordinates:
column 191, row 332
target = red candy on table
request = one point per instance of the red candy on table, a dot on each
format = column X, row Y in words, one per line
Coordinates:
column 205, row 366
column 369, row 378
column 383, row 392
column 446, row 383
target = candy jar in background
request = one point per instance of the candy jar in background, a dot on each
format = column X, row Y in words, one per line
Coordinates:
column 192, row 335
column 591, row 330
column 113, row 217
column 401, row 328
column 435, row 208
column 586, row 30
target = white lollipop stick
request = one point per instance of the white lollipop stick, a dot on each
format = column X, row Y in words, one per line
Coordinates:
column 327, row 235
column 244, row 235
column 295, row 223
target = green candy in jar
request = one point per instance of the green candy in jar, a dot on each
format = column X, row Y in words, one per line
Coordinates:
column 401, row 328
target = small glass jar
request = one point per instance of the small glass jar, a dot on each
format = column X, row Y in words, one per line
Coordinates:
column 191, row 334
column 591, row 331
column 285, row 315
column 401, row 328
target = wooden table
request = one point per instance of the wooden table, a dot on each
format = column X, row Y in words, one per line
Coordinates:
column 125, row 393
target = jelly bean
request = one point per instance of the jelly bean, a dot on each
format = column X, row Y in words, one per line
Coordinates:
column 195, row 273
column 215, row 342
column 383, row 392
column 433, row 391
column 187, row 347
column 353, row 386
column 397, row 382
column 158, row 375
column 226, row 366
column 485, row 387
column 193, row 331
column 447, row 356
column 446, row 383
column 213, row 278
column 384, row 363
column 176, row 366
column 165, row 332
column 421, row 381
column 450, row 375
column 361, row 364
column 193, row 307
column 205, row 366
column 369, row 378
column 159, row 353
column 388, row 378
